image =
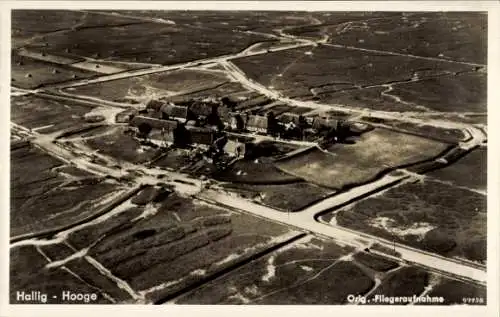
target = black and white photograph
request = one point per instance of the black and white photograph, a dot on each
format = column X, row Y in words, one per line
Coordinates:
column 248, row 157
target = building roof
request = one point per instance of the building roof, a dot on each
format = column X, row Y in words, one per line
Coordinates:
column 255, row 121
column 125, row 115
column 201, row 135
column 289, row 117
column 325, row 122
column 359, row 127
column 154, row 123
column 155, row 104
column 232, row 146
column 175, row 111
column 200, row 108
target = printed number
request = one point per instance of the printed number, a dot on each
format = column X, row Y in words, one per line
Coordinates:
column 473, row 300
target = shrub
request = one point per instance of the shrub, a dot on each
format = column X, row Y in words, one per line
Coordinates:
column 439, row 241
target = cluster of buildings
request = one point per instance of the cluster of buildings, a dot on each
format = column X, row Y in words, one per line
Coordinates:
column 217, row 125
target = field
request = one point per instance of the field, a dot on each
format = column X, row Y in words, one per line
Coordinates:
column 373, row 80
column 317, row 271
column 28, row 25
column 307, row 217
column 40, row 187
column 286, row 197
column 289, row 275
column 259, row 171
column 174, row 159
column 429, row 215
column 47, row 115
column 452, row 36
column 454, row 292
column 264, row 21
column 469, row 171
column 406, row 281
column 122, row 147
column 147, row 42
column 28, row 272
column 30, row 73
column 350, row 164
column 452, row 136
column 141, row 89
column 168, row 245
column 448, row 35
column 232, row 90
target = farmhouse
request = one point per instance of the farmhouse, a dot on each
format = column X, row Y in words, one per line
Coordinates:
column 162, row 130
column 125, row 116
column 235, row 148
column 154, row 123
column 325, row 122
column 201, row 136
column 256, row 123
column 174, row 112
column 155, row 105
column 237, row 122
column 289, row 117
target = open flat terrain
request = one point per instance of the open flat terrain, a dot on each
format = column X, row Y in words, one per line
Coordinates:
column 144, row 88
column 47, row 194
column 283, row 211
column 163, row 244
column 350, row 164
column 430, row 215
column 48, row 115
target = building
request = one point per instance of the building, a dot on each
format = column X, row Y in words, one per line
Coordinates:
column 289, row 117
column 201, row 136
column 174, row 112
column 200, row 108
column 125, row 116
column 162, row 130
column 155, row 105
column 235, row 148
column 325, row 122
column 359, row 127
column 237, row 122
column 256, row 123
column 154, row 123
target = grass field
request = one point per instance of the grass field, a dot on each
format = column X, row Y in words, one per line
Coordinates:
column 432, row 216
column 349, row 164
column 451, row 136
column 153, row 86
column 257, row 21
column 455, row 292
column 286, row 197
column 29, row 73
column 470, row 171
column 372, row 80
column 35, row 112
column 147, row 42
column 407, row 281
column 35, row 24
column 174, row 159
column 215, row 90
column 290, row 275
column 259, row 171
column 122, row 147
column 173, row 244
column 43, row 198
column 27, row 273
column 447, row 35
column 375, row 262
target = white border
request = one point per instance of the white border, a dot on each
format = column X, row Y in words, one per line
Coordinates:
column 492, row 309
